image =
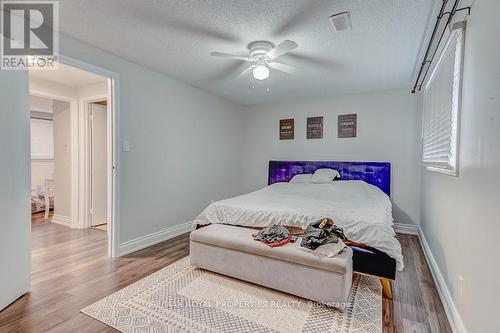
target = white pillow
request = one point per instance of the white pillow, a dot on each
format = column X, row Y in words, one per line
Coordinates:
column 302, row 178
column 324, row 176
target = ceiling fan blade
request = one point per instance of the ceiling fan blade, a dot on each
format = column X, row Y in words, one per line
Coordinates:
column 231, row 56
column 245, row 72
column 282, row 67
column 282, row 48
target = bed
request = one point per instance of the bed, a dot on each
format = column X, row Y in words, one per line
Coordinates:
column 359, row 202
column 39, row 200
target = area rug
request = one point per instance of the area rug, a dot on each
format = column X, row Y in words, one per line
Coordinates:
column 182, row 298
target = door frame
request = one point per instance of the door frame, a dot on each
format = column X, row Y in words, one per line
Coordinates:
column 113, row 138
column 86, row 200
column 78, row 160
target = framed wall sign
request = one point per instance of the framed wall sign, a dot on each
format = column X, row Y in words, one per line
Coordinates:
column 286, row 129
column 347, row 125
column 315, row 128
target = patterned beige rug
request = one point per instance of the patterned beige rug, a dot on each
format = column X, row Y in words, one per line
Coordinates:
column 181, row 298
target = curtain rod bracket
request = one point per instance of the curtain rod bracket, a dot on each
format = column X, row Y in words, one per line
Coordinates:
column 464, row 8
column 451, row 13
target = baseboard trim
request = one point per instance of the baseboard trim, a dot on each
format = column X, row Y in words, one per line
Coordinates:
column 450, row 308
column 406, row 228
column 154, row 238
column 103, row 221
column 454, row 318
column 61, row 219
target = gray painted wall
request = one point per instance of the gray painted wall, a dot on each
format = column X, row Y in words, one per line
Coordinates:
column 388, row 130
column 185, row 145
column 15, row 182
column 461, row 215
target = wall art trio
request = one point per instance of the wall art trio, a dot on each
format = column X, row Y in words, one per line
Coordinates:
column 346, row 127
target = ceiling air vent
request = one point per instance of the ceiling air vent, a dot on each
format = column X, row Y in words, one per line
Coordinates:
column 340, row 22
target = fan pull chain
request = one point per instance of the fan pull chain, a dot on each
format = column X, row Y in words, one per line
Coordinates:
column 268, row 79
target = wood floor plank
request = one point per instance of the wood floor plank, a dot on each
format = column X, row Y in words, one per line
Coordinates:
column 70, row 270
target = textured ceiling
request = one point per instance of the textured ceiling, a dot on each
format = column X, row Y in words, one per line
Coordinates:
column 176, row 37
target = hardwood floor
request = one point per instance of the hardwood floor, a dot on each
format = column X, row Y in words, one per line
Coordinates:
column 39, row 218
column 416, row 306
column 70, row 270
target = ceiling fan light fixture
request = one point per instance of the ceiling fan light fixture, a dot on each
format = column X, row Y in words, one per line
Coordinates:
column 260, row 72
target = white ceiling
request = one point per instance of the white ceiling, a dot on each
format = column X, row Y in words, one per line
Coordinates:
column 68, row 76
column 175, row 37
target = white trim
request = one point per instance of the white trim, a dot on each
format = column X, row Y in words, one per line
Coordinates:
column 85, row 153
column 76, row 223
column 114, row 161
column 61, row 219
column 114, row 153
column 83, row 209
column 154, row 238
column 101, row 222
column 452, row 314
column 41, row 159
column 406, row 228
column 454, row 318
column 113, row 157
column 450, row 308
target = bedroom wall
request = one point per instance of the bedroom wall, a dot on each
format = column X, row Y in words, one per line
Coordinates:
column 460, row 215
column 388, row 130
column 62, row 160
column 186, row 145
column 41, row 170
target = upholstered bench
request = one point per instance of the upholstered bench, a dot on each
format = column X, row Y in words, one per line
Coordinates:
column 231, row 250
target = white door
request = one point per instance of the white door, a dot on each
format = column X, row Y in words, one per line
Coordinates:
column 99, row 155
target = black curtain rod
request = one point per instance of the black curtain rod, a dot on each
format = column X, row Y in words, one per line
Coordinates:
column 450, row 14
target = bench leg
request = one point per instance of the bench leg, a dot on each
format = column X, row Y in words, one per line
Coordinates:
column 386, row 285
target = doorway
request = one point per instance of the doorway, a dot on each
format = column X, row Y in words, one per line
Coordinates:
column 83, row 174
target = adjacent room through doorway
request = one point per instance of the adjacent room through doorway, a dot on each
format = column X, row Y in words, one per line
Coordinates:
column 71, row 162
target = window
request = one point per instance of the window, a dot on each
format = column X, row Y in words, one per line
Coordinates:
column 442, row 95
column 42, row 139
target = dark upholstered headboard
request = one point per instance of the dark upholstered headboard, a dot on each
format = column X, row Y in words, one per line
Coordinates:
column 375, row 173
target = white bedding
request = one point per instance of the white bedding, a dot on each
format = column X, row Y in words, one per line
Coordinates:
column 363, row 210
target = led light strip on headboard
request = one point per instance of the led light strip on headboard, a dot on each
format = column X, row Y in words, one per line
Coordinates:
column 375, row 173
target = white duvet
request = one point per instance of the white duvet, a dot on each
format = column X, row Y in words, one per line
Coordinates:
column 363, row 210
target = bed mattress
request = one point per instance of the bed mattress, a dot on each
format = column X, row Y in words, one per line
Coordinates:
column 361, row 209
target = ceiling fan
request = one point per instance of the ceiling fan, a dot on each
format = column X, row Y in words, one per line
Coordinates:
column 263, row 55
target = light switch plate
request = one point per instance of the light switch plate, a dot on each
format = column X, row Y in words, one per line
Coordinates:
column 126, row 145
column 461, row 286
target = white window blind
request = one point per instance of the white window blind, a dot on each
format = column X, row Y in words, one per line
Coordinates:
column 42, row 138
column 442, row 106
